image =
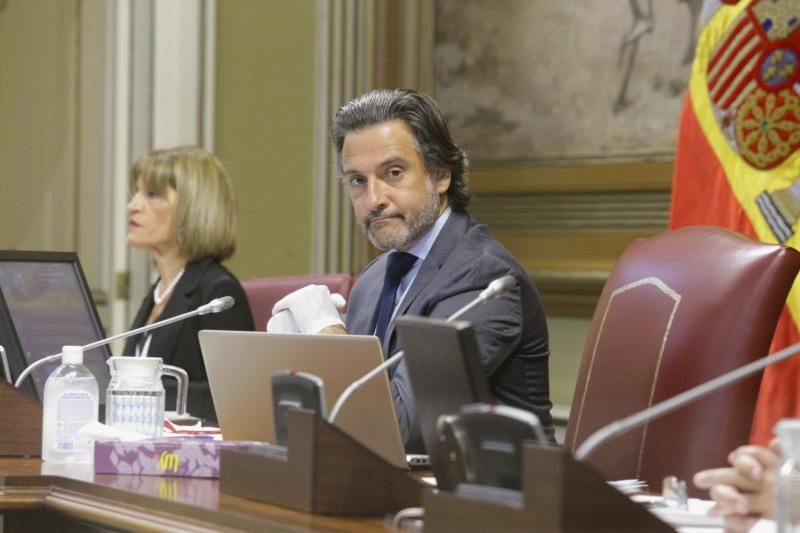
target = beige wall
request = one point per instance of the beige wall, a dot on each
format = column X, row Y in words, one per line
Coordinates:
column 53, row 187
column 265, row 69
column 567, row 339
column 38, row 84
column 264, row 129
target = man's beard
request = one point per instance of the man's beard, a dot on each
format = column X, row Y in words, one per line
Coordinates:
column 414, row 224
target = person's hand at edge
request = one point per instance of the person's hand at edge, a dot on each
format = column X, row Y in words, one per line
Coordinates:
column 313, row 308
column 746, row 489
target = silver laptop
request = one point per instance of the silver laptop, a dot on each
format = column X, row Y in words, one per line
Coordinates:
column 240, row 365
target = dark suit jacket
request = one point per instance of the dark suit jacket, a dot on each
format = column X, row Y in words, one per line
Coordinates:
column 177, row 343
column 511, row 330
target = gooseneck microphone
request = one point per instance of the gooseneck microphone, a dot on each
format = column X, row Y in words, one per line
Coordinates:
column 619, row 427
column 214, row 306
column 493, row 290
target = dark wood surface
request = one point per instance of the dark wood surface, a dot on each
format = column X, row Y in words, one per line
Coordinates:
column 24, row 414
column 145, row 502
column 326, row 472
column 559, row 495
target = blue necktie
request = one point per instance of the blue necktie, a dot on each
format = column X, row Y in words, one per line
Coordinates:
column 397, row 265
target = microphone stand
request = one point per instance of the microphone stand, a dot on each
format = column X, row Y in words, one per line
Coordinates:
column 214, row 306
column 619, row 427
column 4, row 361
column 495, row 289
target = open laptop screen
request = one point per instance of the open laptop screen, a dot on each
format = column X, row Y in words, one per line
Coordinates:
column 240, row 366
column 45, row 303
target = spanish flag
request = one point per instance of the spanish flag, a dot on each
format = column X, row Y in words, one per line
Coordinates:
column 737, row 163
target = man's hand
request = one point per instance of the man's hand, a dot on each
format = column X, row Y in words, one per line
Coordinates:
column 745, row 490
column 312, row 309
column 283, row 322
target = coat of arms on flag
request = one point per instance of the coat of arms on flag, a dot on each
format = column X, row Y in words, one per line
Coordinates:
column 738, row 159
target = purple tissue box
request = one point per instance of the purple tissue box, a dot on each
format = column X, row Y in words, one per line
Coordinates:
column 181, row 457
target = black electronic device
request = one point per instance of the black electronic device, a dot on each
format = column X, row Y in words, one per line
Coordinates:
column 483, row 443
column 293, row 390
column 45, row 304
column 445, row 371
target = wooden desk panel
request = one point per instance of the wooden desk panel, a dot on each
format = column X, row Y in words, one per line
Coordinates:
column 150, row 502
column 24, row 414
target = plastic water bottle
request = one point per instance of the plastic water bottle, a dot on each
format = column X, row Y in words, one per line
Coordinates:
column 787, row 505
column 71, row 400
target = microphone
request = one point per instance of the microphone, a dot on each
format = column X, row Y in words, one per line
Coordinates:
column 619, row 427
column 498, row 287
column 493, row 290
column 214, row 306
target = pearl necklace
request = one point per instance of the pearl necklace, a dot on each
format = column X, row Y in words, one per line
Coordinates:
column 158, row 298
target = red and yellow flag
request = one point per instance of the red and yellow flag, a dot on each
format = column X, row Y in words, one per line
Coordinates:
column 737, row 163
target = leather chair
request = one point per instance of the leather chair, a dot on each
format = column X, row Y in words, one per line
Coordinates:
column 263, row 293
column 677, row 310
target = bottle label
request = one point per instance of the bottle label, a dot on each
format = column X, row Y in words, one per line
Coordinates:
column 74, row 409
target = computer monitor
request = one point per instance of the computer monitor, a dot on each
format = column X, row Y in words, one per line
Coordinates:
column 444, row 366
column 45, row 303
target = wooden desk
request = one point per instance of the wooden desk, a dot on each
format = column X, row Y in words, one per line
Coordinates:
column 31, row 501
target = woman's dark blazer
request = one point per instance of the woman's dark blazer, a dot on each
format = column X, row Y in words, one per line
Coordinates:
column 177, row 343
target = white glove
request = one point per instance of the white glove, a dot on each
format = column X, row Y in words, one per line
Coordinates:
column 283, row 322
column 313, row 308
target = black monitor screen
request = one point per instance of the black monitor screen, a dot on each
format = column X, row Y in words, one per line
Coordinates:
column 445, row 370
column 45, row 304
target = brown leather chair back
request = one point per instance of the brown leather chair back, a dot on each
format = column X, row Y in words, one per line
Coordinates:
column 678, row 309
column 263, row 293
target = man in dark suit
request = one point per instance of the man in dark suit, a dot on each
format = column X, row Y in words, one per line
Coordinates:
column 408, row 185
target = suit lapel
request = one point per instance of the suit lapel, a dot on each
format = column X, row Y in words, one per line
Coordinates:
column 166, row 338
column 453, row 230
column 372, row 278
column 427, row 273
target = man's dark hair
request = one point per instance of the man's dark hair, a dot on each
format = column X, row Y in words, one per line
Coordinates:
column 423, row 116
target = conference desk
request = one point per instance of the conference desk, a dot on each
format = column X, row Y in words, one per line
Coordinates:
column 30, row 501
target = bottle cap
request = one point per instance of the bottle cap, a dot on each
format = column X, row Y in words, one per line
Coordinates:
column 72, row 355
column 788, row 432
